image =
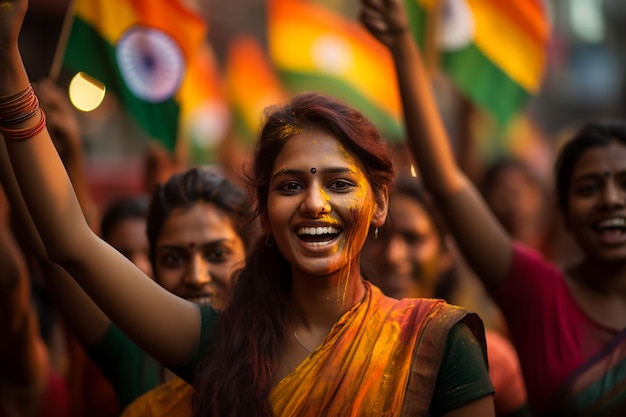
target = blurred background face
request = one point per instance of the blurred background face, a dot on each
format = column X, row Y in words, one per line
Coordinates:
column 408, row 257
column 197, row 250
column 129, row 237
column 515, row 199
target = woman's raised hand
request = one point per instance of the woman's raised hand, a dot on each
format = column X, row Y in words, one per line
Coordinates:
column 385, row 19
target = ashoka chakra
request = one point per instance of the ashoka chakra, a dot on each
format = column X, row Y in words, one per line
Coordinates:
column 151, row 63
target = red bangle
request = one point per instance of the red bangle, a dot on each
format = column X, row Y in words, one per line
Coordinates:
column 19, row 107
column 28, row 105
column 15, row 97
column 24, row 133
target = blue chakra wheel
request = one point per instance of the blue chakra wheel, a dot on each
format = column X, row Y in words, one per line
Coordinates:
column 151, row 63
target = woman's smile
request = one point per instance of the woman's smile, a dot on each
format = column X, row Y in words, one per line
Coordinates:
column 318, row 238
column 318, row 217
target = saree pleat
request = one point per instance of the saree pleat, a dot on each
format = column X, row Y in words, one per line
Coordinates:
column 598, row 387
column 362, row 367
column 381, row 358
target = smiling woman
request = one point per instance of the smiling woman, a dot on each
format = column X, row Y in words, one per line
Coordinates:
column 199, row 225
column 301, row 311
column 303, row 334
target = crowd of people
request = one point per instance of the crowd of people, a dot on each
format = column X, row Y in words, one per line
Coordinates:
column 330, row 282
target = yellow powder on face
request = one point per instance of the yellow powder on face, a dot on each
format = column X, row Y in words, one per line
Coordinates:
column 355, row 203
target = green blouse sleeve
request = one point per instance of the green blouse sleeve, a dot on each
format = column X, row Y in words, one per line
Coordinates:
column 463, row 376
column 129, row 369
column 189, row 370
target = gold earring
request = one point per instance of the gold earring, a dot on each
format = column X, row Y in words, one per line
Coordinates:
column 376, row 233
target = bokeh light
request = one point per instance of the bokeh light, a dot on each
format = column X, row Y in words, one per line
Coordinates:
column 86, row 93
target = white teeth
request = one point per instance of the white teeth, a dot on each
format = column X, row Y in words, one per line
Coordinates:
column 317, row 230
column 206, row 300
column 616, row 222
column 317, row 244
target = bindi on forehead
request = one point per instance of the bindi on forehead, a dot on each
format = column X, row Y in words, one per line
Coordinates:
column 192, row 244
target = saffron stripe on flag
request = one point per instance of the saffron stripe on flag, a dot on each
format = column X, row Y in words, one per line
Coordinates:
column 314, row 48
column 497, row 59
column 142, row 51
column 252, row 84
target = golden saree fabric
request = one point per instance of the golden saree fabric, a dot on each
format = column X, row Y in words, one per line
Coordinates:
column 381, row 358
column 172, row 398
column 363, row 366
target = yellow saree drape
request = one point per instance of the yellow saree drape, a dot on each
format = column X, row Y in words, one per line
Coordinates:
column 381, row 358
column 362, row 368
column 172, row 398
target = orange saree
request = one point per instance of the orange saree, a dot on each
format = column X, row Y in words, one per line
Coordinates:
column 380, row 359
column 172, row 398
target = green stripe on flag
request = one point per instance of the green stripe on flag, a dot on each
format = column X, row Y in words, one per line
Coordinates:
column 486, row 84
column 390, row 128
column 88, row 52
column 476, row 76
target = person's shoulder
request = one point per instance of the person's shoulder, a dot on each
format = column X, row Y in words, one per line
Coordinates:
column 434, row 308
column 174, row 388
column 525, row 257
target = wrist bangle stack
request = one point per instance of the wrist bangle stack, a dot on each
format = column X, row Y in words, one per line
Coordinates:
column 17, row 109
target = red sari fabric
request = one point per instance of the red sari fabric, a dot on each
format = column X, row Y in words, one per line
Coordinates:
column 598, row 388
column 552, row 334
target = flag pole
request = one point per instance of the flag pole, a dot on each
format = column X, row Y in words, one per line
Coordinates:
column 57, row 61
column 431, row 39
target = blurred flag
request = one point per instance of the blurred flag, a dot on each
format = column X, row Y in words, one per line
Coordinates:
column 205, row 116
column 252, row 85
column 141, row 50
column 494, row 51
column 316, row 49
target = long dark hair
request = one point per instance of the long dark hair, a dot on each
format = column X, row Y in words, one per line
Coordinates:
column 238, row 375
column 184, row 189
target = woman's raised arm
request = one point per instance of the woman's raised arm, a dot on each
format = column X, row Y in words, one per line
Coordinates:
column 484, row 243
column 166, row 326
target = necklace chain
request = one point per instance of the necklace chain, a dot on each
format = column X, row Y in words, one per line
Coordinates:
column 300, row 342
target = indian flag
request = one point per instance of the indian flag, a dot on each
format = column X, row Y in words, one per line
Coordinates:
column 140, row 50
column 494, row 51
column 252, row 84
column 316, row 49
column 205, row 115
